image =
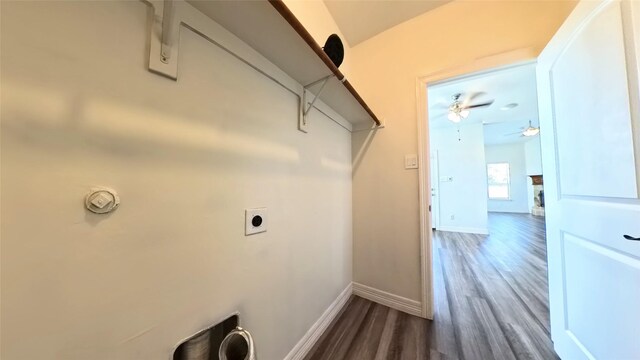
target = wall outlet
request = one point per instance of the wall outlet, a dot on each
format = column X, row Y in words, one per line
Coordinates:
column 255, row 221
column 453, row 217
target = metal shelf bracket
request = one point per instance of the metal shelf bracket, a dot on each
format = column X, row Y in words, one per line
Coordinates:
column 304, row 109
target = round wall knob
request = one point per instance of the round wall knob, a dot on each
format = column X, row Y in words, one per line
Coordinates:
column 102, row 200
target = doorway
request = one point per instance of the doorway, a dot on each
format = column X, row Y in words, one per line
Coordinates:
column 484, row 153
column 429, row 218
column 484, row 147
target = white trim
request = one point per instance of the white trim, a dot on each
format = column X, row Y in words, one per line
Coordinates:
column 424, row 198
column 488, row 64
column 399, row 303
column 468, row 230
column 317, row 329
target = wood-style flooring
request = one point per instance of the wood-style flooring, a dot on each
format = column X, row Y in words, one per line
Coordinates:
column 491, row 302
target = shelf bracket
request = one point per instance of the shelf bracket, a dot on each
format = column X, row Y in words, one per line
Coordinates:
column 163, row 51
column 304, row 109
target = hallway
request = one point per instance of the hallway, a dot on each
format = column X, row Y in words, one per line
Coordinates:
column 490, row 303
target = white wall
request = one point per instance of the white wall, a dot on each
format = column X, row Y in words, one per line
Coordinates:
column 533, row 159
column 514, row 154
column 463, row 201
column 384, row 70
column 80, row 108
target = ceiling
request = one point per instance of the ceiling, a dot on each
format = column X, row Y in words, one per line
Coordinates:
column 360, row 20
column 511, row 85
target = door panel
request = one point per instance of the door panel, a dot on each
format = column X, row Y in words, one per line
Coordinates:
column 588, row 106
column 603, row 223
column 591, row 104
column 597, row 304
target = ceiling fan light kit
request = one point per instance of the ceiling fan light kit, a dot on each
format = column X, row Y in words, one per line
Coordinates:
column 531, row 131
column 458, row 111
column 457, row 115
column 528, row 132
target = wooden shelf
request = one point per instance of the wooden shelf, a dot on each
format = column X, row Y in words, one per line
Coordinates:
column 271, row 29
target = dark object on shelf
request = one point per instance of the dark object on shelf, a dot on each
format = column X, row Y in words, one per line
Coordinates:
column 541, row 198
column 334, row 49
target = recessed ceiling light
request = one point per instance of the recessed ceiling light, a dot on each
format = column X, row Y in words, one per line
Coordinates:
column 509, row 106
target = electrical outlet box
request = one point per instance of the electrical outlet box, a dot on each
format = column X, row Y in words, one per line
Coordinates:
column 255, row 221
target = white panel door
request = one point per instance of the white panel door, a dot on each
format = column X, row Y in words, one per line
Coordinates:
column 588, row 102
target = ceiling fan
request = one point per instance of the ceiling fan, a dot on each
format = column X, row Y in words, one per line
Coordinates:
column 459, row 110
column 528, row 131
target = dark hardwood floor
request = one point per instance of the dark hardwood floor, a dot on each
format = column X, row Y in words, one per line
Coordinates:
column 491, row 302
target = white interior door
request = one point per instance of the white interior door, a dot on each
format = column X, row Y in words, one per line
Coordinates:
column 588, row 98
column 435, row 191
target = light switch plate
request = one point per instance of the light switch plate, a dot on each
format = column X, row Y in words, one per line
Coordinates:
column 411, row 161
column 255, row 221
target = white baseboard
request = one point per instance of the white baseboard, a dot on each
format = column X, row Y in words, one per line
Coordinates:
column 399, row 303
column 313, row 334
column 509, row 212
column 468, row 230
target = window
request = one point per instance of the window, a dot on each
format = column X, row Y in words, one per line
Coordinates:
column 498, row 180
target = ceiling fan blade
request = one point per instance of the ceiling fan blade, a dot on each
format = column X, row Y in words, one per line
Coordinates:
column 472, row 96
column 519, row 132
column 478, row 105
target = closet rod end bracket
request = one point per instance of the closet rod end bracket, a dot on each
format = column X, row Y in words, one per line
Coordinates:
column 163, row 50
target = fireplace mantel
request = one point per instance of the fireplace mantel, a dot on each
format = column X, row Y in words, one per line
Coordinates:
column 536, row 179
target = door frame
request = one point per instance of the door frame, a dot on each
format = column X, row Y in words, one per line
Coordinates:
column 435, row 206
column 477, row 67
